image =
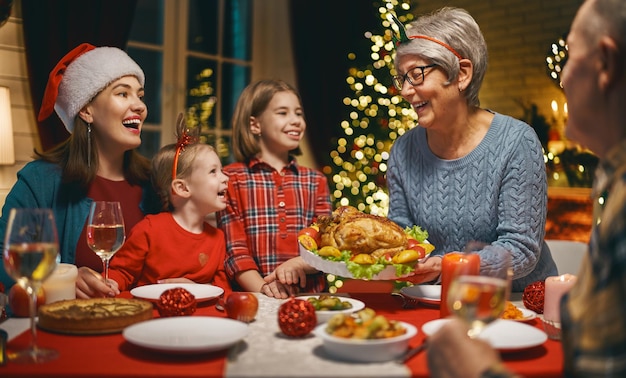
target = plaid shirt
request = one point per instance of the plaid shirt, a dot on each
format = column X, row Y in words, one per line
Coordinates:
column 265, row 211
column 593, row 314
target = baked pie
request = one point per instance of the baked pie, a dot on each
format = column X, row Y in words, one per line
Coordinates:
column 93, row 316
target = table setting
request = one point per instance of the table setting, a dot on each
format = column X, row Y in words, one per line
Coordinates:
column 199, row 330
column 261, row 350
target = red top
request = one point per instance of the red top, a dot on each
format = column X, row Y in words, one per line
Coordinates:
column 158, row 248
column 129, row 197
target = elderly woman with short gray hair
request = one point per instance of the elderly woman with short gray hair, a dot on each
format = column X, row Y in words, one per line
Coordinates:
column 465, row 174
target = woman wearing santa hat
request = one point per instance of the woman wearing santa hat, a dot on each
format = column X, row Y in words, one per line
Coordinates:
column 97, row 92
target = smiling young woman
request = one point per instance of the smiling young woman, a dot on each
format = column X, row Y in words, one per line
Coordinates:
column 97, row 92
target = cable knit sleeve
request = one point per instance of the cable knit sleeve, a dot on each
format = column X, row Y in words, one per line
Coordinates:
column 496, row 194
column 522, row 203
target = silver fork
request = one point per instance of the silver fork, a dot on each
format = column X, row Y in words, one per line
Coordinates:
column 407, row 302
column 412, row 352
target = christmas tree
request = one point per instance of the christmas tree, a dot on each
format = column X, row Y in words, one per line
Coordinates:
column 376, row 116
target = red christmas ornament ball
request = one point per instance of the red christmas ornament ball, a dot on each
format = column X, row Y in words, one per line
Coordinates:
column 296, row 317
column 176, row 302
column 533, row 296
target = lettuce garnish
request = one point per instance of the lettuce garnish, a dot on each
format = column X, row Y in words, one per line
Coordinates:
column 416, row 233
column 368, row 271
column 364, row 271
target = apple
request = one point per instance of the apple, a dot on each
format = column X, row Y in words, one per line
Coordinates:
column 241, row 306
column 19, row 301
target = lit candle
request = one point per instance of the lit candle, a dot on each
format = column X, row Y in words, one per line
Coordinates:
column 451, row 265
column 556, row 286
column 61, row 284
column 555, row 108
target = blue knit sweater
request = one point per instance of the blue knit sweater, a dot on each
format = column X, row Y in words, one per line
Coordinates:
column 496, row 194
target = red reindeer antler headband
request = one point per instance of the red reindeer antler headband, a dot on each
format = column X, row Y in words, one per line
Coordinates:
column 186, row 138
column 403, row 37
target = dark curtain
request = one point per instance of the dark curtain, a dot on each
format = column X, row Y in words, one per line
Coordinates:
column 53, row 28
column 324, row 32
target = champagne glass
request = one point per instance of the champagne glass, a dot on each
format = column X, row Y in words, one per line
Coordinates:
column 479, row 299
column 105, row 231
column 30, row 252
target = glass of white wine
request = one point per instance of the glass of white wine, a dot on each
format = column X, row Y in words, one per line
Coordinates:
column 105, row 231
column 30, row 252
column 481, row 299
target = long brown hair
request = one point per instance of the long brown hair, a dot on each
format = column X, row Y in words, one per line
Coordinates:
column 72, row 155
column 252, row 102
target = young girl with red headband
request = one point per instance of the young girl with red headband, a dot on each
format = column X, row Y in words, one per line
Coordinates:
column 97, row 92
column 176, row 245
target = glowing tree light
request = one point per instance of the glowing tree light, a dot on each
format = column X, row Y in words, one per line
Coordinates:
column 376, row 116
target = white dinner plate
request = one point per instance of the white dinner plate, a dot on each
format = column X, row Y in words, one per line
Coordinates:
column 202, row 292
column 186, row 333
column 324, row 315
column 503, row 335
column 430, row 294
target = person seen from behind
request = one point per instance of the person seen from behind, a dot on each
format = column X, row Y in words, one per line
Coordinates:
column 593, row 325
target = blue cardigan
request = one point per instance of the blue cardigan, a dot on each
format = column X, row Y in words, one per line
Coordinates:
column 39, row 186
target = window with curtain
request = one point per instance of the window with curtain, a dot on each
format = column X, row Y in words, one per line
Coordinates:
column 197, row 58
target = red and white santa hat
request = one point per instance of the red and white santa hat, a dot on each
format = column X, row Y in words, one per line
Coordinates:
column 80, row 76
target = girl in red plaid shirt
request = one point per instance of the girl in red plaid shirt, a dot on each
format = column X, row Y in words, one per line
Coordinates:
column 270, row 197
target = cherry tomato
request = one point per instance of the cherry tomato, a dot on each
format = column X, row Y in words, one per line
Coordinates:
column 411, row 243
column 419, row 249
column 312, row 232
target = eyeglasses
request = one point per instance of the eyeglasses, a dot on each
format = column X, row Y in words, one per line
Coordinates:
column 415, row 76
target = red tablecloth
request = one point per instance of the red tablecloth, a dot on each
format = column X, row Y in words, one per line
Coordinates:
column 544, row 361
column 112, row 356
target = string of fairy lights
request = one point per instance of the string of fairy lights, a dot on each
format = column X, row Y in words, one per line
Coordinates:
column 377, row 117
column 556, row 60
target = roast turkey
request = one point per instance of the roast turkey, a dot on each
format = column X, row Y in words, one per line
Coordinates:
column 349, row 229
